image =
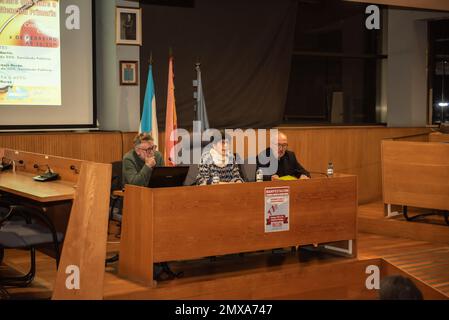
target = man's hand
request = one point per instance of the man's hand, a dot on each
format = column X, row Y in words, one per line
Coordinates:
column 150, row 162
column 304, row 177
column 274, row 178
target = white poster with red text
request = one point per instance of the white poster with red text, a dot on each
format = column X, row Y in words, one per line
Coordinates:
column 277, row 209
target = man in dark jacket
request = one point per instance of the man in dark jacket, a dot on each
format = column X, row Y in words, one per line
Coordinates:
column 288, row 165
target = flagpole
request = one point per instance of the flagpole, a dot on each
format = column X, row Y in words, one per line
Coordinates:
column 170, row 117
column 196, row 94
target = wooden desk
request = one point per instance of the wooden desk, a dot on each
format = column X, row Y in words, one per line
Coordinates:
column 186, row 223
column 439, row 137
column 22, row 184
column 415, row 174
column 87, row 205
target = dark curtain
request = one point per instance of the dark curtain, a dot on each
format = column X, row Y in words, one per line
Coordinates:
column 245, row 50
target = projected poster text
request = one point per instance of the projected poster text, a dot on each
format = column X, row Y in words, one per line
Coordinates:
column 30, row 57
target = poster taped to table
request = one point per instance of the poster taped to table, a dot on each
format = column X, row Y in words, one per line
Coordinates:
column 277, row 209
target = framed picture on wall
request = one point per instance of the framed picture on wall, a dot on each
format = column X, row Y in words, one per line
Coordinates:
column 129, row 73
column 128, row 23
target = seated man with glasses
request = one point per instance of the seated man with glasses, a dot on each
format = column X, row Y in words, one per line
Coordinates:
column 138, row 163
column 287, row 163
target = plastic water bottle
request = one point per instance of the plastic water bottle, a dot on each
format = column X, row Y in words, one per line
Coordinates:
column 215, row 179
column 259, row 175
column 330, row 169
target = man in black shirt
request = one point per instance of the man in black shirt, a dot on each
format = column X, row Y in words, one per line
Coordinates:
column 288, row 165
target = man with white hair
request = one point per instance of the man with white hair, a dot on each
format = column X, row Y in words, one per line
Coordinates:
column 288, row 165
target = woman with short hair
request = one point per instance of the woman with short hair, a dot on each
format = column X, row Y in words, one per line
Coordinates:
column 218, row 162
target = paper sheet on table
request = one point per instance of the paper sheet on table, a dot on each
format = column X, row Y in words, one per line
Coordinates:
column 288, row 178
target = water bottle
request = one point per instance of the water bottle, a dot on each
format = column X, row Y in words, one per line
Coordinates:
column 330, row 169
column 215, row 179
column 259, row 175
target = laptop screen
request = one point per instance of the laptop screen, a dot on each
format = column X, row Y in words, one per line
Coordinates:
column 166, row 177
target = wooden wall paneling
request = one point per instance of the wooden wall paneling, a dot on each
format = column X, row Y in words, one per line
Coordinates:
column 85, row 240
column 26, row 161
column 353, row 150
column 104, row 147
column 128, row 144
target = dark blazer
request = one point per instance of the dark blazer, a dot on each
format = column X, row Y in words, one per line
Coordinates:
column 287, row 165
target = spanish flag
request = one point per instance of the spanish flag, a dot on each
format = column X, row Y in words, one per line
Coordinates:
column 170, row 119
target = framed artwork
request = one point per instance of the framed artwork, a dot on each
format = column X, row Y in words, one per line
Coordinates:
column 128, row 23
column 129, row 73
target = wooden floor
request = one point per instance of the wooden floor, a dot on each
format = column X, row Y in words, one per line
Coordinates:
column 424, row 260
column 432, row 229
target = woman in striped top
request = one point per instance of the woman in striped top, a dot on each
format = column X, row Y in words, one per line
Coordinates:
column 218, row 161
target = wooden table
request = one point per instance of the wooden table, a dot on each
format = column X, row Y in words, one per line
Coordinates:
column 22, row 184
column 83, row 195
column 186, row 223
column 439, row 137
column 415, row 174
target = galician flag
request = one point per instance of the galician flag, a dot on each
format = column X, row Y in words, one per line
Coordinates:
column 148, row 122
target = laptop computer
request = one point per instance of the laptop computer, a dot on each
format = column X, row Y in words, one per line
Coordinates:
column 166, row 177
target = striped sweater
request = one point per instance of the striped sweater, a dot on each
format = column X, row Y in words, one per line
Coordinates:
column 208, row 169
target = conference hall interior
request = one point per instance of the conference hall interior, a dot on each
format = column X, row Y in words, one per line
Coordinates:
column 224, row 150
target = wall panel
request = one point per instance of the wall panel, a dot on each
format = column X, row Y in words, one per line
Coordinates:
column 353, row 150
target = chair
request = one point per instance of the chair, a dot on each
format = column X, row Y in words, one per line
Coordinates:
column 116, row 185
column 25, row 228
column 4, row 295
column 116, row 202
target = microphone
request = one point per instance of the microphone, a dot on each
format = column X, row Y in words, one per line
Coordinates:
column 74, row 169
column 50, row 175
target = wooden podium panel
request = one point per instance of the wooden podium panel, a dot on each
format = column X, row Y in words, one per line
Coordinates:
column 416, row 174
column 187, row 223
column 35, row 163
column 86, row 237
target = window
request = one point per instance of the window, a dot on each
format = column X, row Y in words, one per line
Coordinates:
column 439, row 70
column 335, row 65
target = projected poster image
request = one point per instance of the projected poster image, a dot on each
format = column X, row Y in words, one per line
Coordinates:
column 30, row 60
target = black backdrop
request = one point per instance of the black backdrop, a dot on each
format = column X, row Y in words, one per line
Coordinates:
column 245, row 49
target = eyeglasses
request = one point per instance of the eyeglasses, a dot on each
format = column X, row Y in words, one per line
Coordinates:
column 283, row 146
column 149, row 149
